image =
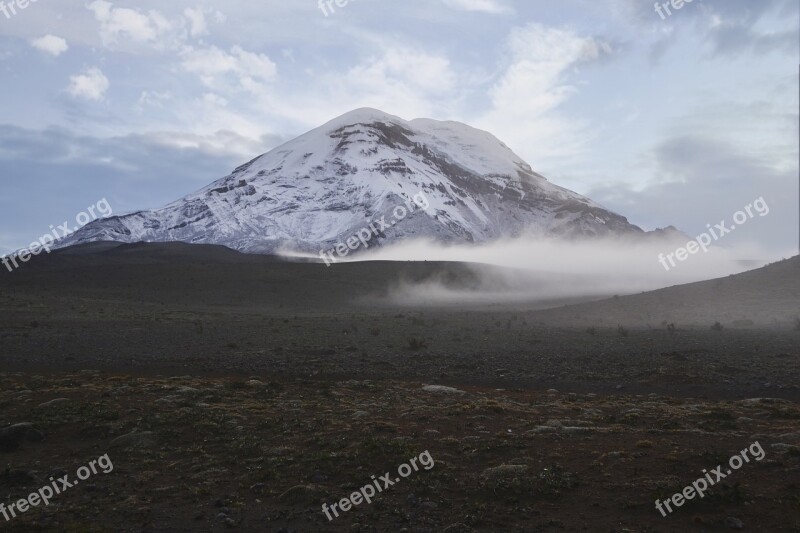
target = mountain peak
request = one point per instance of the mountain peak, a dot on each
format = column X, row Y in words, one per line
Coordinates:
column 327, row 185
column 363, row 115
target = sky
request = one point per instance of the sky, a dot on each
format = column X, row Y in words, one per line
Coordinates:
column 668, row 119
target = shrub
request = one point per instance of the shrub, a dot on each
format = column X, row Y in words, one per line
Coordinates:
column 415, row 344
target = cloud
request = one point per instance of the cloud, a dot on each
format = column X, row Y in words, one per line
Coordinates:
column 736, row 26
column 221, row 143
column 418, row 70
column 401, row 79
column 526, row 98
column 91, row 85
column 495, row 7
column 215, row 66
column 732, row 38
column 50, row 44
column 729, row 27
column 197, row 21
column 123, row 23
column 705, row 180
column 152, row 99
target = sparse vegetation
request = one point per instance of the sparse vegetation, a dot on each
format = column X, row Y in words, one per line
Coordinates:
column 555, row 479
column 415, row 344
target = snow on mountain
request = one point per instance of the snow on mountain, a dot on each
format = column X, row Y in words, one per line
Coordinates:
column 323, row 187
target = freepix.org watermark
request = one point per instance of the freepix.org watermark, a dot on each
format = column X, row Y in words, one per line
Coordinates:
column 9, row 9
column 703, row 241
column 368, row 491
column 375, row 228
column 47, row 240
column 662, row 7
column 56, row 487
column 699, row 487
column 327, row 5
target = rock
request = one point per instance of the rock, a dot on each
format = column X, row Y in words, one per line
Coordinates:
column 258, row 488
column 575, row 429
column 301, row 494
column 541, row 429
column 558, row 429
column 504, row 471
column 733, row 523
column 360, row 414
column 782, row 447
column 442, row 389
column 753, row 402
column 458, row 528
column 12, row 436
column 145, row 438
column 51, row 403
column 430, row 433
column 282, row 451
column 167, row 399
column 17, row 478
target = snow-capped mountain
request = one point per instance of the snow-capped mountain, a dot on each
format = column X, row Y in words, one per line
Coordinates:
column 326, row 185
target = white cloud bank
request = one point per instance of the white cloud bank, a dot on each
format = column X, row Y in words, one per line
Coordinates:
column 50, row 44
column 91, row 85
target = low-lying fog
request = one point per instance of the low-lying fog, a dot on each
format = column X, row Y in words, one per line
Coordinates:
column 557, row 270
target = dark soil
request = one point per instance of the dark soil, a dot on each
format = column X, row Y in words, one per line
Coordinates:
column 253, row 391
